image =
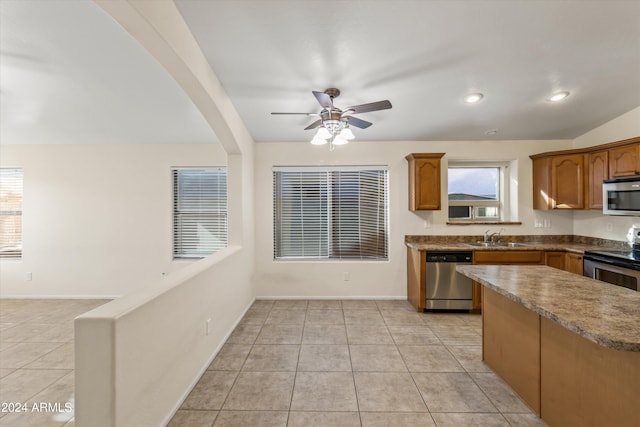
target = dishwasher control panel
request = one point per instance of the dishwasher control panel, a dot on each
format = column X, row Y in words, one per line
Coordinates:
column 450, row 256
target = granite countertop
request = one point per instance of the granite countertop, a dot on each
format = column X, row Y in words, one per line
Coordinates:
column 606, row 314
column 528, row 246
column 569, row 243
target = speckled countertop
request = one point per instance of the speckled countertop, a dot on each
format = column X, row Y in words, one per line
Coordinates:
column 606, row 314
column 569, row 243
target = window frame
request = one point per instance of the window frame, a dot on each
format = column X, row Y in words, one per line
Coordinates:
column 503, row 192
column 177, row 248
column 329, row 216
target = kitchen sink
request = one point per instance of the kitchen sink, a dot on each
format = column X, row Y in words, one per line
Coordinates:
column 496, row 244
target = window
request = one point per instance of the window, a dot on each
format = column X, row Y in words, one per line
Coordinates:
column 10, row 213
column 477, row 191
column 199, row 211
column 330, row 213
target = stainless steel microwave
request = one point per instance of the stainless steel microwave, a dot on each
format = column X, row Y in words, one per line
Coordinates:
column 621, row 196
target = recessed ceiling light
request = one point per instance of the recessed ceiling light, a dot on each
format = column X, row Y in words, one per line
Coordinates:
column 472, row 98
column 558, row 96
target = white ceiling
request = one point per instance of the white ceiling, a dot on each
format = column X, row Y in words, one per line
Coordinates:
column 69, row 73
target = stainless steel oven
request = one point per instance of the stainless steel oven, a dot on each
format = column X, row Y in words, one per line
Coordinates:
column 620, row 268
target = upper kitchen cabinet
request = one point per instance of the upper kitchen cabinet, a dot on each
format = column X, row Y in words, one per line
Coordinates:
column 624, row 161
column 424, row 181
column 559, row 181
column 598, row 170
column 568, row 181
column 572, row 179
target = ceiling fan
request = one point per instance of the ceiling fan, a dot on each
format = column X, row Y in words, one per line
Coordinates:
column 333, row 124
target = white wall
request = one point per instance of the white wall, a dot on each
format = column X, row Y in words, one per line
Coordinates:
column 593, row 223
column 97, row 218
column 138, row 357
column 383, row 279
column 622, row 127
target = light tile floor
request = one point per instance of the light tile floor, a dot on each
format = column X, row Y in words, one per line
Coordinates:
column 36, row 360
column 351, row 363
column 288, row 363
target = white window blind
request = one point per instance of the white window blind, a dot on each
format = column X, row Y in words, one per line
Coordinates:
column 11, row 212
column 330, row 213
column 199, row 211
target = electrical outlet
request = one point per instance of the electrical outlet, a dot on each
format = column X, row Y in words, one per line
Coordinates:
column 345, row 276
column 609, row 226
column 208, row 326
column 29, row 276
column 427, row 223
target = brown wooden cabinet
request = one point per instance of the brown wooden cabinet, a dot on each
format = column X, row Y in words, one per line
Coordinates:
column 559, row 182
column 542, row 183
column 568, row 181
column 416, row 273
column 507, row 257
column 574, row 263
column 598, row 170
column 424, row 181
column 572, row 179
column 624, row 161
column 568, row 261
column 556, row 259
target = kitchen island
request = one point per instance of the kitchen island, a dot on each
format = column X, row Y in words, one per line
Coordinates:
column 567, row 344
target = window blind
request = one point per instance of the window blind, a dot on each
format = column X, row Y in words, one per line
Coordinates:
column 11, row 212
column 199, row 211
column 330, row 213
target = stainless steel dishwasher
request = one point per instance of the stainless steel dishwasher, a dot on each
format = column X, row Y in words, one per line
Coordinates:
column 446, row 288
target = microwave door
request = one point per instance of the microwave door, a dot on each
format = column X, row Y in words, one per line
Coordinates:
column 621, row 198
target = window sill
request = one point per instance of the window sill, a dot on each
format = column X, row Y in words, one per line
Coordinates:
column 484, row 222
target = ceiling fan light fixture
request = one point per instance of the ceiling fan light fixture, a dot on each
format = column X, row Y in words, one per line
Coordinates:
column 473, row 98
column 557, row 96
column 318, row 141
column 323, row 133
column 347, row 134
column 339, row 140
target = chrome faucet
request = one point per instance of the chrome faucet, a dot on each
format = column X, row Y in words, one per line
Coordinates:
column 491, row 237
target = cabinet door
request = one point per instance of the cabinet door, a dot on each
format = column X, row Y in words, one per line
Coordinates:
column 555, row 259
column 542, row 183
column 575, row 263
column 598, row 171
column 567, row 181
column 623, row 161
column 424, row 181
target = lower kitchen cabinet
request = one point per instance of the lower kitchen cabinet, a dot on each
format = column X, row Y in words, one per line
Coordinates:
column 574, row 263
column 555, row 259
column 508, row 257
column 568, row 261
column 416, row 273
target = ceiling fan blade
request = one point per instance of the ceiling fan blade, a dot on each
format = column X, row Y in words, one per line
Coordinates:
column 359, row 123
column 298, row 114
column 373, row 106
column 323, row 99
column 314, row 124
